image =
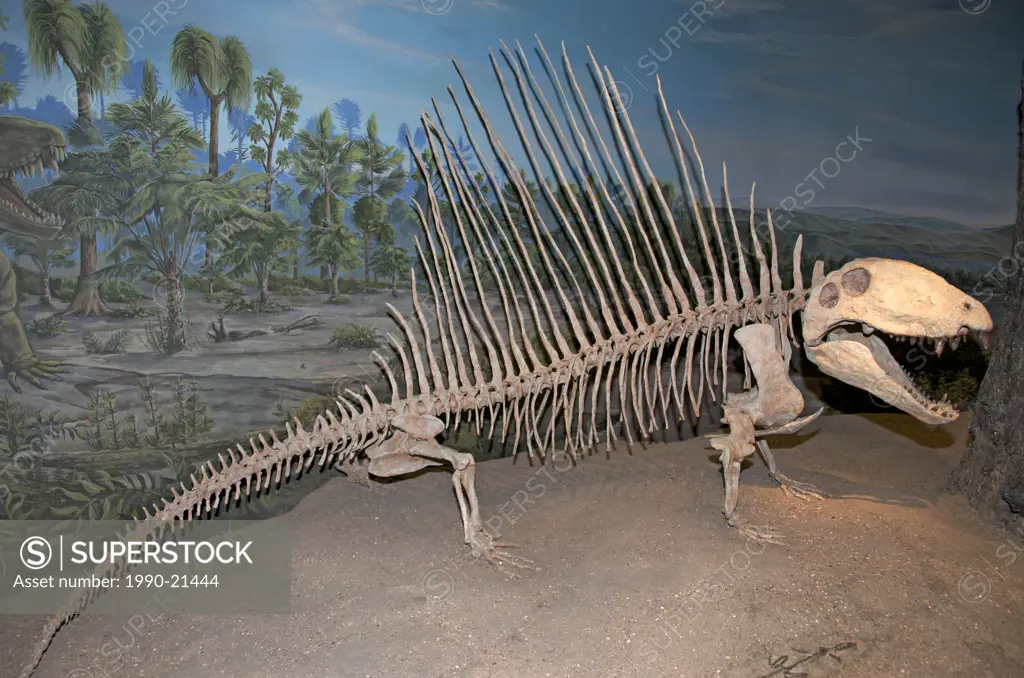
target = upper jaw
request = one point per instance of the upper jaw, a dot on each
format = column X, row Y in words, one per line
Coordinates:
column 938, row 338
column 21, row 216
column 33, row 161
column 29, row 146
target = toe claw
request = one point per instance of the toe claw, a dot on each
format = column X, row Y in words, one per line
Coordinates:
column 799, row 490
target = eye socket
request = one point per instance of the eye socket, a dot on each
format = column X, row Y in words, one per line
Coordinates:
column 829, row 296
column 856, row 281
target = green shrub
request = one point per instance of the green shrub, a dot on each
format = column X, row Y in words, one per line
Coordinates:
column 50, row 326
column 287, row 286
column 313, row 282
column 119, row 291
column 240, row 304
column 133, row 309
column 354, row 336
column 63, row 288
column 115, row 343
column 339, row 299
column 221, row 296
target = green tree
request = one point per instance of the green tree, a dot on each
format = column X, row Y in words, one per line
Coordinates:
column 221, row 67
column 287, row 200
column 382, row 176
column 405, row 222
column 276, row 114
column 391, row 261
column 89, row 41
column 257, row 248
column 370, row 216
column 170, row 201
column 332, row 246
column 324, row 164
column 46, row 255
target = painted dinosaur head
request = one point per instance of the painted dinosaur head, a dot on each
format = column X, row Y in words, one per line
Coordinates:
column 26, row 148
column 848, row 308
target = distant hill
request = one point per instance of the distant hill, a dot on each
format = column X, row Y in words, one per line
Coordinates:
column 870, row 233
column 865, row 215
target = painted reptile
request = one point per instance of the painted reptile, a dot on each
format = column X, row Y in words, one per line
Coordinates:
column 27, row 148
column 642, row 339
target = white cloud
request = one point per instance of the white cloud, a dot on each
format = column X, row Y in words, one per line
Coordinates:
column 334, row 16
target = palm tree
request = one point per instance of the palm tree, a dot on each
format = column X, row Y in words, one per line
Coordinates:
column 90, row 42
column 324, row 164
column 382, row 170
column 87, row 39
column 104, row 55
column 222, row 69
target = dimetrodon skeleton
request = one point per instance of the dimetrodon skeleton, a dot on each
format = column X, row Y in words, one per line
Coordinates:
column 614, row 345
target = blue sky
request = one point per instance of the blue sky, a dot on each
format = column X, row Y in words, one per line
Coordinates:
column 769, row 86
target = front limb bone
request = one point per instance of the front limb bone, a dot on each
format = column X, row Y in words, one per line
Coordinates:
column 793, row 488
column 736, row 446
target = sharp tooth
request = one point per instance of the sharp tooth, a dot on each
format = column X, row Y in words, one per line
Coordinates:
column 866, row 329
column 940, row 346
column 985, row 339
column 954, row 342
column 913, row 341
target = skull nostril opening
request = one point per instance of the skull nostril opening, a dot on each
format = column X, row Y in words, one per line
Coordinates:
column 968, row 306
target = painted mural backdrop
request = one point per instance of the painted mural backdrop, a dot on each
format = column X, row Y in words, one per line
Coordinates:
column 237, row 184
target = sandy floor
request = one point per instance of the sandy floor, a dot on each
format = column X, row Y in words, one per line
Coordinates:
column 640, row 576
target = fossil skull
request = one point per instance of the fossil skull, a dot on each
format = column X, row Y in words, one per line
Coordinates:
column 848, row 308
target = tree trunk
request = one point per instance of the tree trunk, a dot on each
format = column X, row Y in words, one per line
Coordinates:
column 334, row 281
column 175, row 316
column 272, row 141
column 327, row 220
column 263, row 296
column 214, row 167
column 87, row 299
column 366, row 242
column 991, row 473
column 81, row 91
column 295, row 264
column 45, row 299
